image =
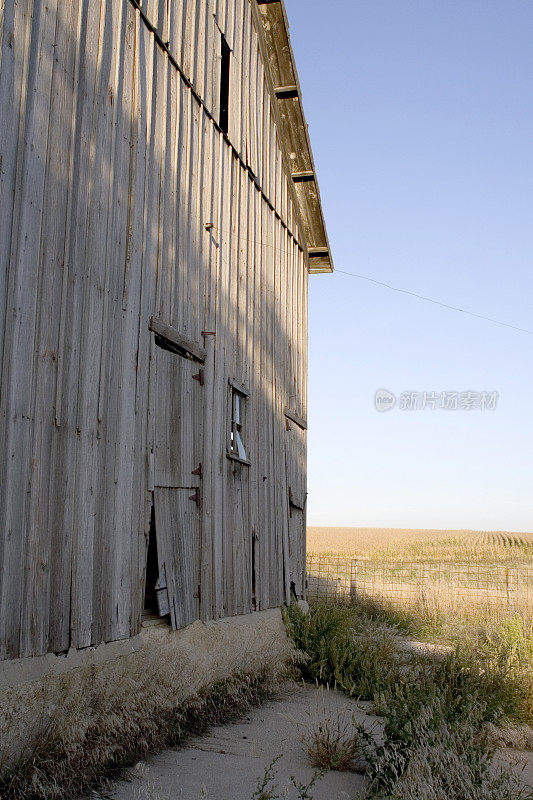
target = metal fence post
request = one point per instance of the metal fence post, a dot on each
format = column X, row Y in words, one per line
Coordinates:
column 507, row 587
column 353, row 581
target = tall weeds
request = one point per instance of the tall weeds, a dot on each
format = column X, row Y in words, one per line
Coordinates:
column 436, row 714
column 343, row 648
column 434, row 749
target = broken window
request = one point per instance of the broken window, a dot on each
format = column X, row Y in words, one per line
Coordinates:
column 236, row 444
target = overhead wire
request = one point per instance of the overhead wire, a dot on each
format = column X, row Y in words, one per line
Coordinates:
column 396, row 288
column 435, row 302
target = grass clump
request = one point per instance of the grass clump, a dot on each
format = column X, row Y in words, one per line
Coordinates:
column 334, row 744
column 503, row 653
column 495, row 648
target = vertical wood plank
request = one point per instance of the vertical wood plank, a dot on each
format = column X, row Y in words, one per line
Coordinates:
column 86, row 619
column 135, row 293
column 219, row 395
column 146, row 242
column 15, row 34
column 22, row 302
column 44, row 618
column 122, row 359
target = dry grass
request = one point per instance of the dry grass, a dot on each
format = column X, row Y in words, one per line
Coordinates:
column 441, row 613
column 82, row 721
column 516, row 737
column 332, row 743
column 436, row 755
column 89, row 725
column 383, row 544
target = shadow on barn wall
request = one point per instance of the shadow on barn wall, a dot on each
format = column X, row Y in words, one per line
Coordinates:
column 106, row 193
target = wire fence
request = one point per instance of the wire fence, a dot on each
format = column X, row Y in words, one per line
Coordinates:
column 400, row 583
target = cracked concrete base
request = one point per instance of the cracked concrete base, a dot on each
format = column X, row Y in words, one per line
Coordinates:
column 227, row 764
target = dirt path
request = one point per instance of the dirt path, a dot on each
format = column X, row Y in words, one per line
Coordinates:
column 227, row 764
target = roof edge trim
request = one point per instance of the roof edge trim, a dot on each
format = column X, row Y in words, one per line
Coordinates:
column 272, row 27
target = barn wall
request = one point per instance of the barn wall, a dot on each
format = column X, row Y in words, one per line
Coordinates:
column 109, row 167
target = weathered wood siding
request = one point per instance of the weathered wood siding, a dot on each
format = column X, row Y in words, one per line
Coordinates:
column 110, row 165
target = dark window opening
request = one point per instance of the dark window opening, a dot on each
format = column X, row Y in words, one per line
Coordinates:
column 224, row 85
column 171, row 347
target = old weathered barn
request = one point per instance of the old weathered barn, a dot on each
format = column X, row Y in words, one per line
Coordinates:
column 159, row 217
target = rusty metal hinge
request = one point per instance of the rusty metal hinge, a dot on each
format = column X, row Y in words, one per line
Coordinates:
column 199, row 377
column 198, row 470
column 195, row 497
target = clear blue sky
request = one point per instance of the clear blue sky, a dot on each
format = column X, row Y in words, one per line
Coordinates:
column 421, row 121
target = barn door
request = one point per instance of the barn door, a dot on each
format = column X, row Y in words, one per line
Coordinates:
column 295, row 462
column 178, row 414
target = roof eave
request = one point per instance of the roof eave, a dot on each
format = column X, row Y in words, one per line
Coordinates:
column 284, row 87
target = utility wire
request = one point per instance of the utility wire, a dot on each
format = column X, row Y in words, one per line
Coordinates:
column 392, row 288
column 435, row 302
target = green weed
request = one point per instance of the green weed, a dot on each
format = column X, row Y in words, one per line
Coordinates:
column 436, row 713
column 267, row 788
column 343, row 647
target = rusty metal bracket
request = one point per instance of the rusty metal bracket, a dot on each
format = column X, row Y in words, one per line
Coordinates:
column 199, row 377
column 198, row 470
column 196, row 497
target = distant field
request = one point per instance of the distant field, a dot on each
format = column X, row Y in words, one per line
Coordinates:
column 412, row 545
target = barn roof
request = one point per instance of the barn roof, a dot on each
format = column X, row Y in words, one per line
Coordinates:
column 273, row 30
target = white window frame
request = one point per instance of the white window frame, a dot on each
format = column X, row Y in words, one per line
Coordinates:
column 237, row 412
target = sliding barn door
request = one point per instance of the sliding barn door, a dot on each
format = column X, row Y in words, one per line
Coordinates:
column 178, row 415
